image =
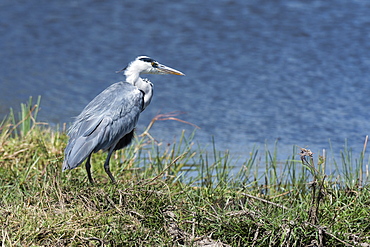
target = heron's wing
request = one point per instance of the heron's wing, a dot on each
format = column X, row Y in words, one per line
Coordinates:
column 104, row 121
column 79, row 147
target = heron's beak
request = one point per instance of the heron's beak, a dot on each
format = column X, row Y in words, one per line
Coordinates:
column 162, row 69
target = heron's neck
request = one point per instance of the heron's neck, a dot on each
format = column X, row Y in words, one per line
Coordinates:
column 144, row 85
column 132, row 76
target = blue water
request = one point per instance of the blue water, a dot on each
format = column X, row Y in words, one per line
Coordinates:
column 256, row 71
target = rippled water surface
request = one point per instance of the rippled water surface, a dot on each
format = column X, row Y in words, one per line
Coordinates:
column 256, row 71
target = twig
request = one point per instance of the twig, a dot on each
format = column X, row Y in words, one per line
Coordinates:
column 115, row 206
column 93, row 239
column 345, row 206
column 165, row 169
column 322, row 228
column 163, row 117
column 266, row 201
column 255, row 236
column 282, row 194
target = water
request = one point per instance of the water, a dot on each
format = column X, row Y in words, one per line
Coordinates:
column 256, row 71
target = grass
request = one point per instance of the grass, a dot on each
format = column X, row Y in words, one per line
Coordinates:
column 176, row 195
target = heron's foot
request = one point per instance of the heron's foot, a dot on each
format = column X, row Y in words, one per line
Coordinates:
column 91, row 180
column 111, row 177
column 107, row 170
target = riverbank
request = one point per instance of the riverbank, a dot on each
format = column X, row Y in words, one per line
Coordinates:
column 176, row 194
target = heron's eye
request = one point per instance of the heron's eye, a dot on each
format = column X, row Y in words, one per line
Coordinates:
column 155, row 64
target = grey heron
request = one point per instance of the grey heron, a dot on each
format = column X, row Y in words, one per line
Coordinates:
column 107, row 123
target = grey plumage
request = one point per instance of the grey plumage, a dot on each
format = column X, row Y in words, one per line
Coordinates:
column 107, row 123
column 113, row 113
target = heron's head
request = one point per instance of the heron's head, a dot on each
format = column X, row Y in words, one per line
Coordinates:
column 147, row 65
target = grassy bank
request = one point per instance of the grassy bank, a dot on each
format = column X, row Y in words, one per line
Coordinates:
column 176, row 194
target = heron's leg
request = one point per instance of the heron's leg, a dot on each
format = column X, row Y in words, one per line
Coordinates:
column 106, row 166
column 88, row 169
